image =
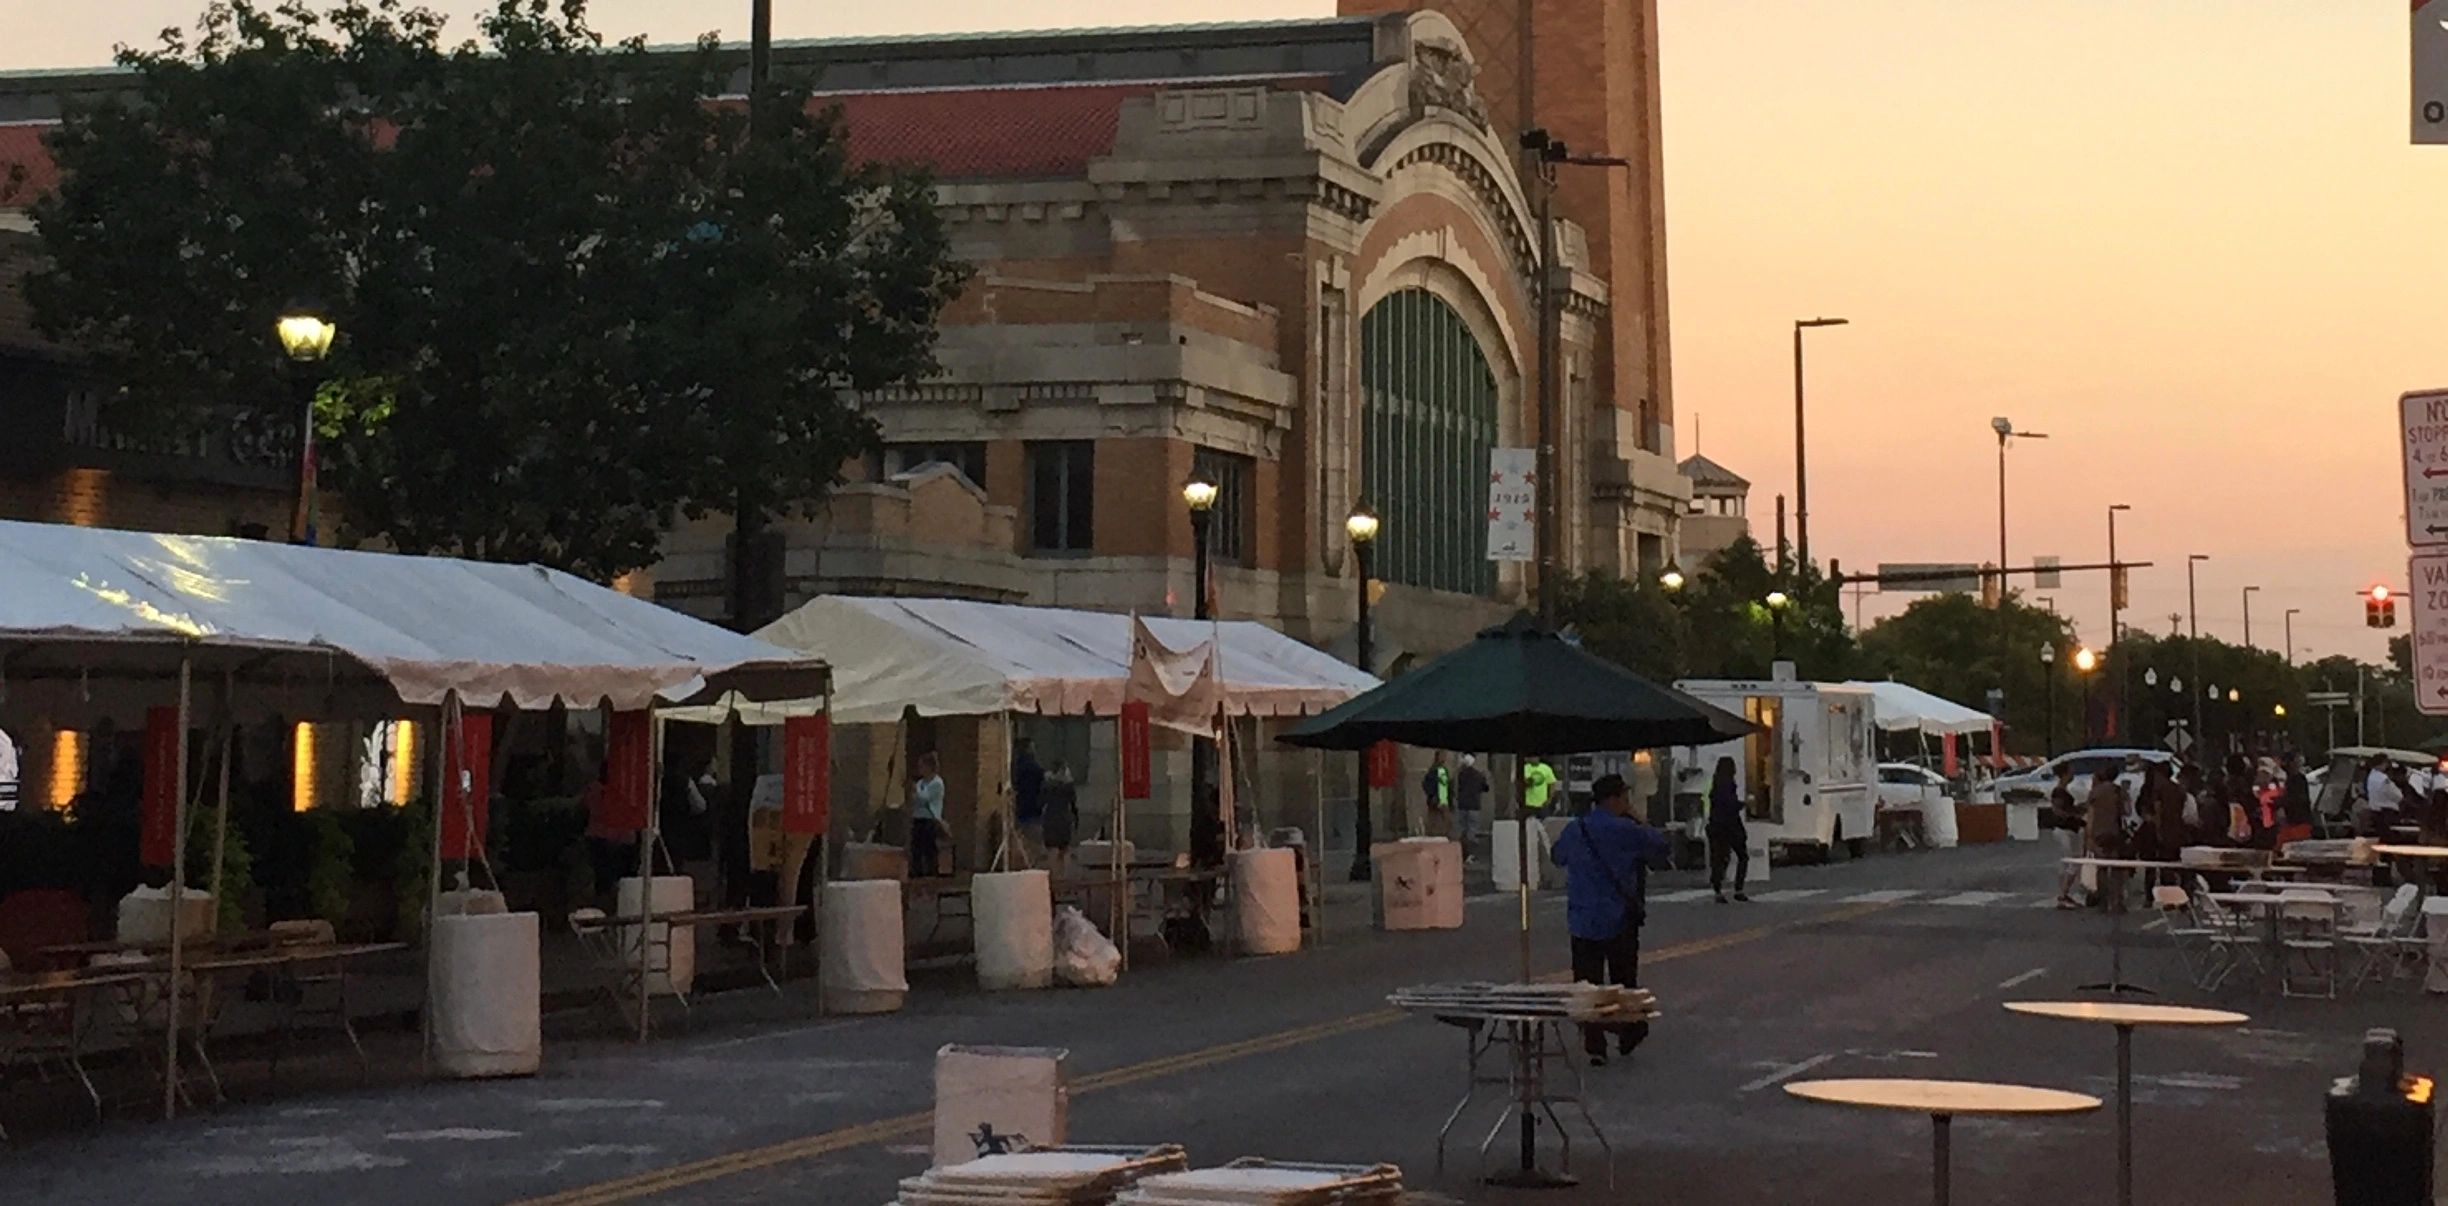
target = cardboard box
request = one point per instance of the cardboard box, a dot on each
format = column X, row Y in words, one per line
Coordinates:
column 993, row 1099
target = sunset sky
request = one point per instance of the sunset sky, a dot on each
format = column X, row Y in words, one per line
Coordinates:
column 2186, row 239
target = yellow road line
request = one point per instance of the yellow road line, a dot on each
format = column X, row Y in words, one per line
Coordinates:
column 715, row 1168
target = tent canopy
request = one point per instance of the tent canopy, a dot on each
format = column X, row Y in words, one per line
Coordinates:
column 1518, row 689
column 959, row 657
column 1900, row 708
column 354, row 630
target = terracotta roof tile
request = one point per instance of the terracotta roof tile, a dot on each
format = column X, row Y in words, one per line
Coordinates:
column 21, row 145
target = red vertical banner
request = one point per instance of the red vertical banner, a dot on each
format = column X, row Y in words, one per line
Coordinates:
column 1997, row 745
column 1947, row 764
column 1137, row 777
column 467, row 786
column 628, row 772
column 157, row 819
column 1384, row 765
column 807, row 773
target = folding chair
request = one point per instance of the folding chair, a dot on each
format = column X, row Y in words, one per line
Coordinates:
column 2308, row 941
column 2234, row 937
column 312, row 990
column 615, row 973
column 2380, row 947
column 2203, row 962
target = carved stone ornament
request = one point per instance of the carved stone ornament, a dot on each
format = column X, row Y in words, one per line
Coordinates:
column 1441, row 76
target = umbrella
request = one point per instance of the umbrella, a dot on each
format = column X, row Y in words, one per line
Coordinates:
column 1519, row 689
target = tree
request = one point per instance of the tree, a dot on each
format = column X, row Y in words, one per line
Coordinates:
column 1950, row 645
column 1717, row 626
column 575, row 301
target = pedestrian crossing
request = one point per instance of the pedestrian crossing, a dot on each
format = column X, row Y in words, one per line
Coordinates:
column 1950, row 898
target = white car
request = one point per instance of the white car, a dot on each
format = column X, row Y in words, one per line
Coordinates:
column 2034, row 785
column 1904, row 787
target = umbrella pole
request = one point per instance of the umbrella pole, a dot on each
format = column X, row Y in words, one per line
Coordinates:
column 178, row 876
column 1317, row 848
column 446, row 738
column 646, row 842
column 1521, row 854
column 229, row 734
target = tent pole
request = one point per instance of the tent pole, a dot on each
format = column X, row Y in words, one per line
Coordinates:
column 646, row 843
column 446, row 723
column 178, row 876
column 229, row 735
column 1317, row 849
column 1117, row 909
column 824, row 863
column 1521, row 854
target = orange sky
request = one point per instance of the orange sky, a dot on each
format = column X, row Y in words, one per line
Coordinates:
column 2185, row 239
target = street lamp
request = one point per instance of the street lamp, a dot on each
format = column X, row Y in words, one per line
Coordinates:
column 1672, row 579
column 2005, row 429
column 1362, row 528
column 306, row 338
column 1199, row 495
column 2048, row 673
column 2291, row 613
column 2085, row 662
column 1801, row 455
column 2249, row 592
column 1777, row 603
column 2193, row 631
column 2116, row 609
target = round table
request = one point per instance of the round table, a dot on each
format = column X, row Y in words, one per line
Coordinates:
column 2116, row 982
column 1942, row 1100
column 2125, row 1017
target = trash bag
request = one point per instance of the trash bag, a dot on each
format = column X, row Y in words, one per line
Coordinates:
column 1083, row 955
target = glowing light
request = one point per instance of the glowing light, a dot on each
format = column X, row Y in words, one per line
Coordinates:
column 403, row 761
column 67, row 767
column 2085, row 660
column 302, row 767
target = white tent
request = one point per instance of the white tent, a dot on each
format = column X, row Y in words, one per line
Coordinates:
column 349, row 633
column 1899, row 708
column 957, row 657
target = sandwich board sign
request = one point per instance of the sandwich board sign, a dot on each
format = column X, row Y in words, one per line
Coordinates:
column 2427, row 576
column 2423, row 428
column 2430, row 93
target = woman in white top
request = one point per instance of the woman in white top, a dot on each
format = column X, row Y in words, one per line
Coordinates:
column 927, row 829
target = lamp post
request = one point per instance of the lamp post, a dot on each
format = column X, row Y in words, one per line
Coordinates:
column 1801, row 448
column 2193, row 637
column 2005, row 429
column 1199, row 495
column 1362, row 528
column 2048, row 673
column 306, row 336
column 1546, row 153
column 2116, row 629
column 1777, row 603
column 2289, row 618
column 1672, row 580
column 2249, row 592
column 2085, row 662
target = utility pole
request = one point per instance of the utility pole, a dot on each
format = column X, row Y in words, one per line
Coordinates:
column 2248, row 594
column 756, row 587
column 1801, row 446
column 2193, row 629
column 2290, row 634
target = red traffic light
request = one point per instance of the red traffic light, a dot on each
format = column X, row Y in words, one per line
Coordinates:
column 2380, row 594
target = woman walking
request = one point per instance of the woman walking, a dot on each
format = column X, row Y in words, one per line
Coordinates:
column 1726, row 836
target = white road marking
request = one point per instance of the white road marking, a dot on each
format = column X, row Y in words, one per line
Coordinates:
column 1788, row 1071
column 1883, row 896
column 2025, row 978
column 1790, row 894
column 1679, row 897
column 1972, row 899
column 451, row 1134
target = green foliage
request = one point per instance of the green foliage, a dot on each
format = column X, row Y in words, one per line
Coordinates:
column 237, row 866
column 1717, row 626
column 330, row 855
column 574, row 299
column 412, row 867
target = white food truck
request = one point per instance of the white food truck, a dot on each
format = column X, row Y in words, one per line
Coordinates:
column 1808, row 777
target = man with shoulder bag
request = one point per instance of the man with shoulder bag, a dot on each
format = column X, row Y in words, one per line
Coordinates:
column 1606, row 855
column 2065, row 817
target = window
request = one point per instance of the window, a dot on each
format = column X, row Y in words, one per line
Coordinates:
column 967, row 456
column 1428, row 419
column 1062, row 496
column 1230, row 526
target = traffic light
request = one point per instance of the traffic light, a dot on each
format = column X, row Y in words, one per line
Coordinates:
column 2379, row 608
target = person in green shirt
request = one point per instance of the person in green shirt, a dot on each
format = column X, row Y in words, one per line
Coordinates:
column 1538, row 779
column 1436, row 786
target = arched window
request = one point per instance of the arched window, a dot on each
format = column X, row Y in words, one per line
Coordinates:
column 1428, row 418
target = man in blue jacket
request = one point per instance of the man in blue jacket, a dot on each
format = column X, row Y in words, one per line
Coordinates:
column 1606, row 855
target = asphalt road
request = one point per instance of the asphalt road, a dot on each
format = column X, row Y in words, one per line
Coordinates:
column 1894, row 966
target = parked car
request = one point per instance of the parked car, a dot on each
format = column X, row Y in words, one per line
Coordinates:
column 2034, row 785
column 1908, row 787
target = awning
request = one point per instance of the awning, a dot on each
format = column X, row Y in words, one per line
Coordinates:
column 1899, row 708
column 350, row 631
column 959, row 657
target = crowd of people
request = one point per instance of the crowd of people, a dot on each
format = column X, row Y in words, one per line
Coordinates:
column 2158, row 808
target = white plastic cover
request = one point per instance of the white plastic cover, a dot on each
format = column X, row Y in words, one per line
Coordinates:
column 672, row 894
column 1266, row 901
column 1013, row 924
column 960, row 657
column 859, row 956
column 391, row 627
column 1083, row 956
column 144, row 915
column 487, row 995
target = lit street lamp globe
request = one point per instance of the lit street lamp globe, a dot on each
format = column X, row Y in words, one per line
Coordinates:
column 1672, row 579
column 2085, row 660
column 1776, row 600
column 304, row 334
column 1200, row 494
column 1362, row 526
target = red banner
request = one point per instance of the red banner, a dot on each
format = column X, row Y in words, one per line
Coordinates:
column 467, row 786
column 1137, row 776
column 1946, row 745
column 157, row 819
column 1384, row 765
column 628, row 772
column 807, row 774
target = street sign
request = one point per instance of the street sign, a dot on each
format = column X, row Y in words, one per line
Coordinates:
column 2427, row 575
column 2327, row 699
column 2423, row 426
column 1512, row 508
column 1941, row 577
column 2178, row 741
column 2046, row 575
column 2430, row 49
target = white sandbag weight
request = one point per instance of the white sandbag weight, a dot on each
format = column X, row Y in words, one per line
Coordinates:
column 1266, row 901
column 860, row 947
column 487, row 995
column 1014, row 928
